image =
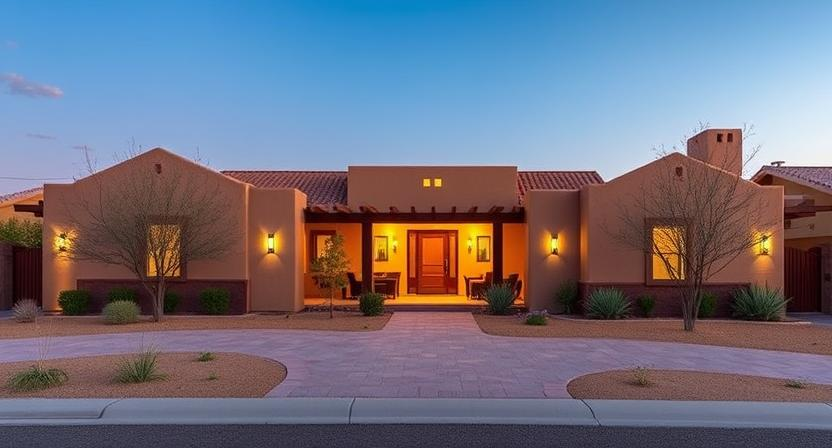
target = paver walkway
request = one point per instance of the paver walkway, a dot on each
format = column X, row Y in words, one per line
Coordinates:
column 436, row 355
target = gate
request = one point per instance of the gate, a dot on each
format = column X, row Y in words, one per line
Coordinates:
column 27, row 269
column 803, row 272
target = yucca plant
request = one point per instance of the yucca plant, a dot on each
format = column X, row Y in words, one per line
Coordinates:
column 500, row 298
column 25, row 310
column 607, row 303
column 759, row 303
column 140, row 368
column 36, row 377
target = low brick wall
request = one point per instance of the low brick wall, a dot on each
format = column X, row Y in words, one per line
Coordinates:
column 668, row 299
column 188, row 291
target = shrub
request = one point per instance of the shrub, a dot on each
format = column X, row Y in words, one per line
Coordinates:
column 646, row 304
column 500, row 298
column 172, row 300
column 796, row 383
column 21, row 232
column 641, row 376
column 212, row 376
column 122, row 294
column 121, row 312
column 371, row 304
column 141, row 368
column 537, row 318
column 707, row 304
column 26, row 310
column 607, row 303
column 759, row 303
column 215, row 300
column 567, row 295
column 74, row 302
column 36, row 378
column 206, row 356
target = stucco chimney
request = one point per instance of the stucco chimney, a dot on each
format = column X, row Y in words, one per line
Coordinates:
column 721, row 148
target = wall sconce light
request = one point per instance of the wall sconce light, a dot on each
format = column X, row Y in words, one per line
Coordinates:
column 553, row 244
column 395, row 245
column 470, row 244
column 271, row 244
column 765, row 244
column 63, row 242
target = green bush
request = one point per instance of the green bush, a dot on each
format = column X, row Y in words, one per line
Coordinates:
column 206, row 357
column 707, row 304
column 371, row 304
column 537, row 318
column 36, row 378
column 74, row 302
column 19, row 232
column 140, row 368
column 500, row 298
column 121, row 312
column 567, row 296
column 215, row 300
column 759, row 303
column 172, row 300
column 646, row 304
column 122, row 293
column 607, row 303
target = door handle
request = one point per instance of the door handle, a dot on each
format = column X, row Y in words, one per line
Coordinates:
column 446, row 266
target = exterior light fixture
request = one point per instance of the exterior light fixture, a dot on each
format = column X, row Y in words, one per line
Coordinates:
column 395, row 245
column 765, row 244
column 271, row 244
column 63, row 242
column 470, row 244
column 554, row 247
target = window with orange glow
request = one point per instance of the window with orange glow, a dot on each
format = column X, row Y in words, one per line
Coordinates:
column 164, row 240
column 668, row 244
column 437, row 182
column 426, row 182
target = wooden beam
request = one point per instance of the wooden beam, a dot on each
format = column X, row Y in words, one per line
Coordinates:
column 412, row 209
column 453, row 209
column 416, row 217
column 496, row 209
column 318, row 209
column 472, row 209
column 341, row 208
column 364, row 209
column 515, row 209
column 393, row 209
column 36, row 209
column 433, row 210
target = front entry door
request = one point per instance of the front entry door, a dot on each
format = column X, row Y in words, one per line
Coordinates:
column 435, row 257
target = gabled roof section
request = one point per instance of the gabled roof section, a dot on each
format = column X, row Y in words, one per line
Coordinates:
column 320, row 187
column 817, row 177
column 20, row 195
column 328, row 188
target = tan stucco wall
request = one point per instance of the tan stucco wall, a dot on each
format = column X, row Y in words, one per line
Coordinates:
column 276, row 280
column 462, row 186
column 803, row 231
column 548, row 213
column 607, row 260
column 60, row 200
column 352, row 245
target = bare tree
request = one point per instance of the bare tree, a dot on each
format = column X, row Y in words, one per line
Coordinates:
column 153, row 223
column 692, row 220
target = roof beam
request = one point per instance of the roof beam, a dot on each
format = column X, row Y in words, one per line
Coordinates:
column 393, row 209
column 496, row 209
column 472, row 209
column 341, row 208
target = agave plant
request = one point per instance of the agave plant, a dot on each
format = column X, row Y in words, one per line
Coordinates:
column 500, row 298
column 607, row 303
column 759, row 303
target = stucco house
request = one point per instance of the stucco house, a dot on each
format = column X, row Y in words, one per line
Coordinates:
column 423, row 234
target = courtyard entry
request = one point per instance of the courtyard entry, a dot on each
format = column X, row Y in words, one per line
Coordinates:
column 432, row 261
column 803, row 279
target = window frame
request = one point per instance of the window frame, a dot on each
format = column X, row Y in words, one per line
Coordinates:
column 650, row 224
column 183, row 265
column 313, row 244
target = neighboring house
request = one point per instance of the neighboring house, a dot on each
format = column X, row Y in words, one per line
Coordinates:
column 429, row 228
column 23, row 200
column 808, row 232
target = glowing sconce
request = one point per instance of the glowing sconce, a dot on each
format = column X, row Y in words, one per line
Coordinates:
column 62, row 242
column 395, row 245
column 554, row 247
column 470, row 244
column 271, row 244
column 765, row 244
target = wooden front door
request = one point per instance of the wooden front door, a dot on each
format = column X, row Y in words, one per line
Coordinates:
column 803, row 279
column 434, row 256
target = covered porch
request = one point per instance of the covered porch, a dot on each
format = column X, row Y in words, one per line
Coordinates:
column 420, row 258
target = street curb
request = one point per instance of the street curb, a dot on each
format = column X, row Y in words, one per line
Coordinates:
column 343, row 411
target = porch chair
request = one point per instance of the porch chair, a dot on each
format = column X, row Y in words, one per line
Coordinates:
column 478, row 287
column 355, row 285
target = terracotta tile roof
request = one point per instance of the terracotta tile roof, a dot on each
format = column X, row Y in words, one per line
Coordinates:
column 330, row 187
column 20, row 195
column 321, row 187
column 818, row 177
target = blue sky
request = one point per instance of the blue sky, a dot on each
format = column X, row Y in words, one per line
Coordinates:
column 321, row 85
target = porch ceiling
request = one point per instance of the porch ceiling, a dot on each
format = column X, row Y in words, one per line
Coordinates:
column 343, row 214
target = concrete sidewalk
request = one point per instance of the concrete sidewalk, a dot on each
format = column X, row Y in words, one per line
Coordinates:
column 343, row 411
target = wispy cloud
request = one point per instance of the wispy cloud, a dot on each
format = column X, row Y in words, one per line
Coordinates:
column 18, row 85
column 40, row 136
column 11, row 45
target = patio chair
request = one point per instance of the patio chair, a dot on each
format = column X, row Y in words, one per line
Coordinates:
column 518, row 289
column 355, row 285
column 478, row 287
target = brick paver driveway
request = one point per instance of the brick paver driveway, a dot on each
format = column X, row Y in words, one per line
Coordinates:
column 437, row 355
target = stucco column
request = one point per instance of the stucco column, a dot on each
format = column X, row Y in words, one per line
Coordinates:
column 6, row 278
column 366, row 256
column 826, row 278
column 497, row 249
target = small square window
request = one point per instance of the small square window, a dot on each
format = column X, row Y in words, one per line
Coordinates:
column 719, row 138
column 426, row 182
column 730, row 137
column 437, row 182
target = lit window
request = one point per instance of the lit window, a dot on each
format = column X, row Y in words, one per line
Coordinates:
column 164, row 242
column 426, row 182
column 668, row 244
column 437, row 182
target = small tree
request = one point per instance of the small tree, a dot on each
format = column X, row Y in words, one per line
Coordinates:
column 151, row 222
column 330, row 268
column 696, row 219
column 18, row 232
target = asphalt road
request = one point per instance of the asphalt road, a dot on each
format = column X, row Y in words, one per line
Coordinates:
column 421, row 436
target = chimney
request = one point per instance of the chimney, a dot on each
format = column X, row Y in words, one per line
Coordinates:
column 721, row 148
